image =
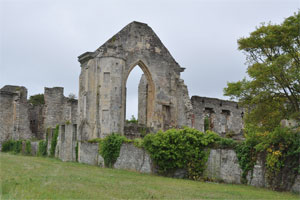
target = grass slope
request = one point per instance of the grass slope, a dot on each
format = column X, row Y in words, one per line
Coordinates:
column 24, row 177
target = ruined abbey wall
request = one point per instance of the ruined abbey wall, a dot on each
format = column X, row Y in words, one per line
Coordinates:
column 14, row 118
column 102, row 91
column 22, row 120
column 224, row 117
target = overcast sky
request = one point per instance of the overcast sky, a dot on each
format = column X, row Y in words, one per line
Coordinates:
column 41, row 39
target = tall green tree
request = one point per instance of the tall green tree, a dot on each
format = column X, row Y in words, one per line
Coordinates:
column 272, row 91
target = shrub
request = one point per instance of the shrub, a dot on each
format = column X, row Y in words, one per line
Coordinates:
column 109, row 148
column 37, row 99
column 28, row 147
column 7, row 146
column 132, row 120
column 42, row 149
column 180, row 148
column 54, row 141
column 281, row 148
column 17, row 147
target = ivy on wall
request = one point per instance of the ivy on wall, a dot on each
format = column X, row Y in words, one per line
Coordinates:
column 281, row 148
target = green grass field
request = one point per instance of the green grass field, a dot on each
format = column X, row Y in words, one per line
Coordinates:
column 24, row 177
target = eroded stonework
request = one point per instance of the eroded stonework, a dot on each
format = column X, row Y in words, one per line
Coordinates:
column 104, row 72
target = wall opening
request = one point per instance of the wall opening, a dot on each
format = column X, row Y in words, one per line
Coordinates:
column 209, row 115
column 63, row 131
column 74, row 131
column 225, row 115
column 144, row 104
column 134, row 94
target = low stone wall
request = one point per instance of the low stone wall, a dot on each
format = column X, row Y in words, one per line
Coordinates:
column 88, row 153
column 133, row 158
column 34, row 148
column 222, row 164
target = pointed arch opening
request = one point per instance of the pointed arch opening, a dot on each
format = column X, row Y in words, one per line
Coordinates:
column 145, row 94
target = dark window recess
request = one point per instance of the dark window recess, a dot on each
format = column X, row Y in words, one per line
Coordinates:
column 226, row 112
column 209, row 110
column 63, row 131
column 74, row 132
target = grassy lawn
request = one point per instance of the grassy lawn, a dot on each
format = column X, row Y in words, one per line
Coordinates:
column 24, row 177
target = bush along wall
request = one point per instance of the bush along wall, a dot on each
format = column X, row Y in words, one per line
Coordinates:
column 281, row 150
column 15, row 146
column 174, row 149
column 185, row 148
column 109, row 148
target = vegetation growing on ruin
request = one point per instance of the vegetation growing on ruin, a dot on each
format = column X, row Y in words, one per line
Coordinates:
column 281, row 148
column 54, row 141
column 27, row 147
column 132, row 120
column 14, row 146
column 23, row 177
column 185, row 148
column 42, row 148
column 37, row 99
column 109, row 148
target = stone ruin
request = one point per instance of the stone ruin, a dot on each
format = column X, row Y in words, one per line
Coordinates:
column 163, row 99
column 163, row 103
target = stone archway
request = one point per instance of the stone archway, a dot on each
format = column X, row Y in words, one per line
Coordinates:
column 150, row 89
column 104, row 73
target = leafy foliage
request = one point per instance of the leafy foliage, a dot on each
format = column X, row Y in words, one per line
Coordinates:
column 7, row 146
column 42, row 148
column 206, row 123
column 180, row 148
column 17, row 147
column 54, row 141
column 37, row 99
column 28, row 147
column 132, row 120
column 282, row 150
column 273, row 91
column 109, row 148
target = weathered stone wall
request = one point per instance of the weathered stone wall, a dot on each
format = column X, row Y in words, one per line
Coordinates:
column 102, row 95
column 14, row 119
column 54, row 106
column 222, row 165
column 133, row 158
column 226, row 117
column 36, row 119
column 142, row 100
column 88, row 153
column 67, row 142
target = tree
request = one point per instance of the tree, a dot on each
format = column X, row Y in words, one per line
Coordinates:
column 273, row 56
column 37, row 99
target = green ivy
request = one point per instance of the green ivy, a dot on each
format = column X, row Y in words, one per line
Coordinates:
column 109, row 148
column 8, row 146
column 180, row 149
column 206, row 124
column 281, row 148
column 42, row 148
column 17, row 147
column 54, row 141
column 28, row 147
